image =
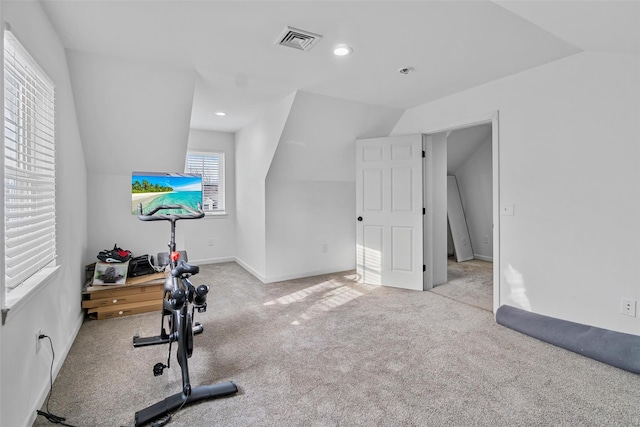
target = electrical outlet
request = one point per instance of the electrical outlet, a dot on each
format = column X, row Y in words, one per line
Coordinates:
column 325, row 248
column 210, row 242
column 38, row 340
column 506, row 209
column 628, row 307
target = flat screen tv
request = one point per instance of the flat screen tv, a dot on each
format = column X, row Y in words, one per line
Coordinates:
column 164, row 188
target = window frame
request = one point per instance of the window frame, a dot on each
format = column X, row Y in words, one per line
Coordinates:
column 222, row 171
column 15, row 296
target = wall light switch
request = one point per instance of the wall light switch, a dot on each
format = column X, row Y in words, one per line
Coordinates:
column 506, row 209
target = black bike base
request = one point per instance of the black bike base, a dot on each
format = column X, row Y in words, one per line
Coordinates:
column 175, row 401
column 161, row 339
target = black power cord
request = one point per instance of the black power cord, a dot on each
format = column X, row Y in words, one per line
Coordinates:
column 47, row 414
column 167, row 418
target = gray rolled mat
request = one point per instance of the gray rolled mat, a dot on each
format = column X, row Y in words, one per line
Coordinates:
column 614, row 348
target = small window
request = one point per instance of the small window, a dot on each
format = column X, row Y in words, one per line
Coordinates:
column 211, row 167
column 29, row 167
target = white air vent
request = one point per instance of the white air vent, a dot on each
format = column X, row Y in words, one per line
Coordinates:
column 298, row 39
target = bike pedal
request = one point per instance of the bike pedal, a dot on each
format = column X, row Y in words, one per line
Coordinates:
column 158, row 368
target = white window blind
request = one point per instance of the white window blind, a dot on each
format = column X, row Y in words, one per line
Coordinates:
column 29, row 166
column 211, row 167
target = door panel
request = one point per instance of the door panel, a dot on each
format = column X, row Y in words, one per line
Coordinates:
column 372, row 190
column 372, row 254
column 389, row 211
column 401, row 189
column 372, row 154
column 401, row 152
column 402, row 248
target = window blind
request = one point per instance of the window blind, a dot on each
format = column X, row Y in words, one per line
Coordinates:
column 211, row 167
column 29, row 166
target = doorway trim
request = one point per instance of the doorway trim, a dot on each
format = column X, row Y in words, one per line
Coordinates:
column 493, row 118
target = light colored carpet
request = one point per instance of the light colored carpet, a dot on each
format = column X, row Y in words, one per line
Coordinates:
column 469, row 282
column 326, row 351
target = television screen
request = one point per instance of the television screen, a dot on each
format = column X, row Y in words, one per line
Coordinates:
column 163, row 188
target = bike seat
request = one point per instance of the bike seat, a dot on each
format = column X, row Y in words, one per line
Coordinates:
column 184, row 268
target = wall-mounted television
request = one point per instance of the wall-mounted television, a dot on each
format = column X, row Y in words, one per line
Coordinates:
column 164, row 188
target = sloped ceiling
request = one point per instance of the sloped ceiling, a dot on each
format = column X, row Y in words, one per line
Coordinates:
column 601, row 26
column 317, row 142
column 132, row 116
column 462, row 143
column 230, row 45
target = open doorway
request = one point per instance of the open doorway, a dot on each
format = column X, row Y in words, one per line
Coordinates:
column 470, row 216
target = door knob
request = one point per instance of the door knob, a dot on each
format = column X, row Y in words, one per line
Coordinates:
column 359, row 218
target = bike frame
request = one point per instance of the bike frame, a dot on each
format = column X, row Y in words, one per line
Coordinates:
column 179, row 296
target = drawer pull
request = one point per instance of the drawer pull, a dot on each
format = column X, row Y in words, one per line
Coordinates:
column 115, row 301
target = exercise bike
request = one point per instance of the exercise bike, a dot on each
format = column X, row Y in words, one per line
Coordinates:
column 180, row 301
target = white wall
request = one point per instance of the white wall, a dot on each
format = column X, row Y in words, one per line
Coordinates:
column 133, row 116
column 255, row 147
column 474, row 178
column 569, row 162
column 55, row 307
column 310, row 187
column 213, row 238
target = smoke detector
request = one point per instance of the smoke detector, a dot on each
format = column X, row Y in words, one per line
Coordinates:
column 298, row 39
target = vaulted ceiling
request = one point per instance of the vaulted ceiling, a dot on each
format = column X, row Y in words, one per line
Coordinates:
column 452, row 46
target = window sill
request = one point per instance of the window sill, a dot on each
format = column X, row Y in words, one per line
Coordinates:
column 215, row 215
column 20, row 296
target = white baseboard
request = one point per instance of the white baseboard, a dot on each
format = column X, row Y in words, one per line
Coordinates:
column 61, row 356
column 250, row 269
column 483, row 258
column 212, row 260
column 302, row 274
column 280, row 278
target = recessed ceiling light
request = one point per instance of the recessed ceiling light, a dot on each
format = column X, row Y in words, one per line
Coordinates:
column 342, row 50
column 221, row 113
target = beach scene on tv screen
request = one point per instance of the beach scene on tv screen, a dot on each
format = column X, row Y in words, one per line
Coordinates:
column 154, row 189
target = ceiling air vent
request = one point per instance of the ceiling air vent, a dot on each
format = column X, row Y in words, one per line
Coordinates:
column 298, row 39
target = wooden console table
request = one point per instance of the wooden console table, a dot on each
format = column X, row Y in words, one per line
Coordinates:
column 138, row 295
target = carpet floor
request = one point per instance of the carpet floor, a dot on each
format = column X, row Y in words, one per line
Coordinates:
column 469, row 282
column 328, row 351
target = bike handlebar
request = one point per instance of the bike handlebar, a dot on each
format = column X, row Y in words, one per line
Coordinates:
column 153, row 215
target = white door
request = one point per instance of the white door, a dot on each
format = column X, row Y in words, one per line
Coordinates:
column 389, row 211
column 435, row 203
